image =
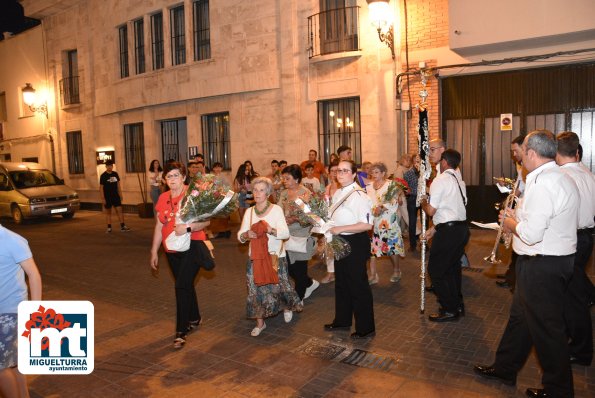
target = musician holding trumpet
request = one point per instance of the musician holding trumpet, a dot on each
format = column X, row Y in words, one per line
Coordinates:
column 544, row 228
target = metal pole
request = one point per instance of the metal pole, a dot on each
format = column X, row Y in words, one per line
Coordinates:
column 425, row 170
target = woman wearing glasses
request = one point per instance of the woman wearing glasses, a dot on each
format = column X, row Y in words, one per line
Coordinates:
column 352, row 214
column 184, row 265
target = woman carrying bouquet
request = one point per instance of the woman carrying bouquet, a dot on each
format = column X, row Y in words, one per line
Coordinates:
column 269, row 290
column 386, row 238
column 299, row 231
column 351, row 213
column 330, row 190
column 183, row 265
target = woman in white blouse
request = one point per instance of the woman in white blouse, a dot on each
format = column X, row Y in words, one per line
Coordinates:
column 351, row 214
column 267, row 300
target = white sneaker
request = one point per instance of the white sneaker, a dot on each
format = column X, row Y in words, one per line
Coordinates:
column 287, row 315
column 256, row 331
column 312, row 287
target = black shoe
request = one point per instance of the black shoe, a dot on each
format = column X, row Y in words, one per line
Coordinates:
column 333, row 327
column 489, row 372
column 536, row 392
column 444, row 316
column 501, row 276
column 579, row 361
column 461, row 309
column 504, row 284
column 358, row 335
column 430, row 288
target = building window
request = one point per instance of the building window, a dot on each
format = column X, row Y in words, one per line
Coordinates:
column 139, row 46
column 74, row 145
column 215, row 139
column 123, row 34
column 134, row 147
column 178, row 36
column 157, row 40
column 339, row 124
column 69, row 85
column 335, row 28
column 202, row 30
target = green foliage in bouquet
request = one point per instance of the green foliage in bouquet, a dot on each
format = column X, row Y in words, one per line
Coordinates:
column 207, row 197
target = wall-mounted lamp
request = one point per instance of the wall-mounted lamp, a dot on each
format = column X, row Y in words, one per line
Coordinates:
column 381, row 17
column 30, row 99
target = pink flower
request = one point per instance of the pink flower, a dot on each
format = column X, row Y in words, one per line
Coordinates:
column 194, row 192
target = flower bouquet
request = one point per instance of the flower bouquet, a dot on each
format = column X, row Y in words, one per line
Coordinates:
column 394, row 186
column 316, row 209
column 207, row 197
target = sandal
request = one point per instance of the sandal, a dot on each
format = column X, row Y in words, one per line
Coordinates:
column 193, row 325
column 180, row 340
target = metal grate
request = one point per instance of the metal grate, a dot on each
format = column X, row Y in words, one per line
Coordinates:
column 333, row 351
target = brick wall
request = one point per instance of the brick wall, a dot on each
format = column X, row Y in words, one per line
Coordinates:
column 427, row 25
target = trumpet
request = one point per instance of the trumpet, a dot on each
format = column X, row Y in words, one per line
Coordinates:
column 508, row 203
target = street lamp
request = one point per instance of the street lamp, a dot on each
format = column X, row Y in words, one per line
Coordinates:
column 30, row 99
column 381, row 18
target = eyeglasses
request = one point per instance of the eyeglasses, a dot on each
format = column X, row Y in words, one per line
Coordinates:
column 172, row 176
column 343, row 171
column 433, row 148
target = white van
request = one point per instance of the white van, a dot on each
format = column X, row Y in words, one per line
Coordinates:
column 28, row 190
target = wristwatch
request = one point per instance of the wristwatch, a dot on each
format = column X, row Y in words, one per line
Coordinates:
column 188, row 228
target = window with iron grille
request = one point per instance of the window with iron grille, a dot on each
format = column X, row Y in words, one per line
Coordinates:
column 139, row 45
column 202, row 30
column 157, row 40
column 178, row 36
column 215, row 139
column 123, row 35
column 339, row 124
column 74, row 146
column 134, row 146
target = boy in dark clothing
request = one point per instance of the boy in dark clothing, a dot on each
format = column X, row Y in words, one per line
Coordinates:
column 111, row 195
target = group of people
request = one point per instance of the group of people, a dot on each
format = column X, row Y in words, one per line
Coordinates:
column 552, row 295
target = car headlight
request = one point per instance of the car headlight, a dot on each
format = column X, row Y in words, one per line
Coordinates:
column 34, row 201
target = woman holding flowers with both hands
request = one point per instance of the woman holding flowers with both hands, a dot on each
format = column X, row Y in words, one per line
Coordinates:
column 184, row 265
column 351, row 214
column 269, row 290
column 386, row 238
column 299, row 230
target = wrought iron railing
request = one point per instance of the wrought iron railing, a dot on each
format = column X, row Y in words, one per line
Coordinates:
column 333, row 31
column 69, row 90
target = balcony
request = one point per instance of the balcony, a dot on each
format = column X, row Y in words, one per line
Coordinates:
column 333, row 31
column 69, row 90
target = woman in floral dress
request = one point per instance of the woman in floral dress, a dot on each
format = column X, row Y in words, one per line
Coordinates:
column 386, row 239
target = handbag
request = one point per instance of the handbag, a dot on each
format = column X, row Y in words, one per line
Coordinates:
column 178, row 243
column 297, row 244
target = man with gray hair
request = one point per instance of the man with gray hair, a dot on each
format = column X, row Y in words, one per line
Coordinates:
column 576, row 310
column 544, row 226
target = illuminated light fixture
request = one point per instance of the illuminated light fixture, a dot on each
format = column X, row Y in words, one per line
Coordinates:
column 381, row 17
column 30, row 99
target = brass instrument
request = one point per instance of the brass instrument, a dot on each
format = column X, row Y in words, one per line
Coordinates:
column 508, row 203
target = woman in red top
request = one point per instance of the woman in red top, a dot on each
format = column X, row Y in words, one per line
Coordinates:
column 183, row 264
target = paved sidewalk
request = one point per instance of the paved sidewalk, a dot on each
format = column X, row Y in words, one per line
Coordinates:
column 134, row 326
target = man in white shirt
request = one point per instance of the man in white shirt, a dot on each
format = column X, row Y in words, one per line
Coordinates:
column 517, row 153
column 446, row 206
column 576, row 310
column 543, row 225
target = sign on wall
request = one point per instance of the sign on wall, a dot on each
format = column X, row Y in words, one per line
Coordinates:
column 104, row 156
column 506, row 122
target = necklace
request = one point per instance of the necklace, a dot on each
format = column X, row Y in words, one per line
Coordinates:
column 376, row 186
column 261, row 212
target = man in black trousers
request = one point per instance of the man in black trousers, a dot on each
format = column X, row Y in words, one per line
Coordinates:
column 576, row 310
column 544, row 227
column 446, row 206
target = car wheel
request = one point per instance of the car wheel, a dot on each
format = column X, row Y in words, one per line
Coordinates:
column 17, row 214
column 68, row 216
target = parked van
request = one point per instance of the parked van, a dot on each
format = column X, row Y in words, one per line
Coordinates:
column 28, row 190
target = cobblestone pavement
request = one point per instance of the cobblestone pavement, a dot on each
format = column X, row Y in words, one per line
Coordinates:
column 134, row 325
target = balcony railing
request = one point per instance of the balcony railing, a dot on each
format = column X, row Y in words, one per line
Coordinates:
column 333, row 31
column 69, row 90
